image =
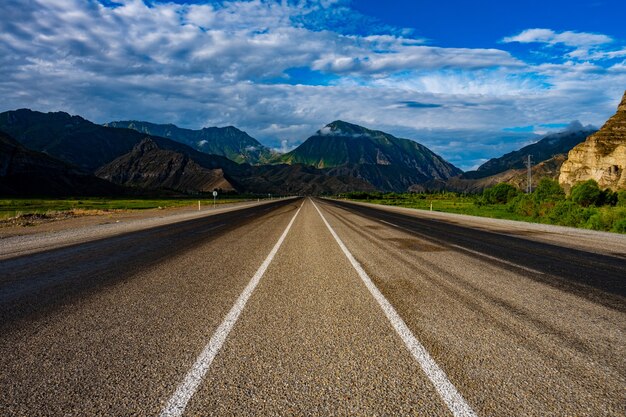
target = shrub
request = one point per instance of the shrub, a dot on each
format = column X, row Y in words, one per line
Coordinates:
column 619, row 226
column 500, row 193
column 586, row 193
column 548, row 190
column 568, row 213
column 523, row 205
column 621, row 198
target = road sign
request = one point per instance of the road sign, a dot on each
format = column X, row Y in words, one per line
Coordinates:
column 214, row 193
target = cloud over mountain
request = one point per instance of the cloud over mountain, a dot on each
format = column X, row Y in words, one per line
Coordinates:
column 280, row 69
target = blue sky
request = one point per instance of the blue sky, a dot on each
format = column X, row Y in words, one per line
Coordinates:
column 469, row 79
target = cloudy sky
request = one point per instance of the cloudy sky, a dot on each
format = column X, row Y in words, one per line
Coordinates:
column 469, row 79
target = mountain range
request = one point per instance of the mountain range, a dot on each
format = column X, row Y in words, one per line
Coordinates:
column 118, row 155
column 340, row 157
column 547, row 156
column 229, row 141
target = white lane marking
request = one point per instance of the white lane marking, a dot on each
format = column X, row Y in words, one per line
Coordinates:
column 525, row 268
column 498, row 259
column 177, row 403
column 389, row 223
column 448, row 392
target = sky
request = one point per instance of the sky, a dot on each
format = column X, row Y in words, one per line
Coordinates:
column 471, row 80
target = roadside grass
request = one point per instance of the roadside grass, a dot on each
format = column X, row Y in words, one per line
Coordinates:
column 445, row 202
column 18, row 207
column 607, row 218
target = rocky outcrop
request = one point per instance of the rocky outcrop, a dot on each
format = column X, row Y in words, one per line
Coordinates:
column 148, row 166
column 602, row 157
column 547, row 147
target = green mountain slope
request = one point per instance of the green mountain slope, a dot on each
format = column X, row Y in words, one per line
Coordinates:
column 229, row 141
column 385, row 161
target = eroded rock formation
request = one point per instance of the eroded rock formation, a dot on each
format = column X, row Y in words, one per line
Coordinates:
column 602, row 156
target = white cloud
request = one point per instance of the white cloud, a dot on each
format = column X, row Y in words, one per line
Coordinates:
column 569, row 38
column 584, row 46
column 225, row 63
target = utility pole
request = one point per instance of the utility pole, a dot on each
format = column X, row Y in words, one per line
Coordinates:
column 529, row 185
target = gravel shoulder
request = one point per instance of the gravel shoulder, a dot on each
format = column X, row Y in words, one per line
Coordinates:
column 18, row 241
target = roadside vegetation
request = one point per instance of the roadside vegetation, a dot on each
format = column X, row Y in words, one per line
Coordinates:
column 587, row 206
column 24, row 208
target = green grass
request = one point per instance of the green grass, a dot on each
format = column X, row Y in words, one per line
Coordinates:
column 607, row 218
column 446, row 203
column 23, row 206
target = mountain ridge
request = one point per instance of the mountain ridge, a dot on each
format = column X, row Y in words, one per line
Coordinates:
column 227, row 141
column 389, row 163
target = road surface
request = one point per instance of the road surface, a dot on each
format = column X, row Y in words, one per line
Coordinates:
column 314, row 307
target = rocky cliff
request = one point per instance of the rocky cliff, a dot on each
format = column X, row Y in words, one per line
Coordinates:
column 601, row 157
column 148, row 166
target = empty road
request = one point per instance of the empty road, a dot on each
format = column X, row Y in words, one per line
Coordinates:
column 315, row 307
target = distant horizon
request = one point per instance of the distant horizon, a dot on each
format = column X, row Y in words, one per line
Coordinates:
column 469, row 81
column 531, row 137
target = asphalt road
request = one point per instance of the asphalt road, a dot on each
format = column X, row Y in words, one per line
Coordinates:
column 313, row 307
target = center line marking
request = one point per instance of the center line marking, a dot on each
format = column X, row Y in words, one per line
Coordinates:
column 448, row 392
column 177, row 403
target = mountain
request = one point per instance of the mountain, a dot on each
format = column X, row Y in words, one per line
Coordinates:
column 26, row 173
column 517, row 177
column 542, row 150
column 82, row 143
column 128, row 157
column 148, row 166
column 387, row 162
column 229, row 141
column 601, row 157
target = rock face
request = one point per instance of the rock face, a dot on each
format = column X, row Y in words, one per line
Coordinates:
column 147, row 166
column 602, row 157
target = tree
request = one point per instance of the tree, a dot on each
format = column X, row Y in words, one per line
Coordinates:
column 586, row 193
column 500, row 193
column 548, row 190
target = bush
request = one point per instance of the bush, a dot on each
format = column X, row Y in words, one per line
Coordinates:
column 568, row 213
column 548, row 190
column 587, row 193
column 523, row 205
column 621, row 198
column 500, row 193
column 619, row 226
